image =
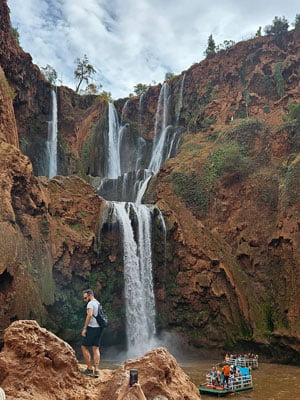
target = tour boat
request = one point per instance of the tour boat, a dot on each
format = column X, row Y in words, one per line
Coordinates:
column 237, row 383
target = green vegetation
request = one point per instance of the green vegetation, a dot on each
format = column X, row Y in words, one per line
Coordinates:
column 293, row 112
column 83, row 71
column 50, row 74
column 226, row 45
column 279, row 79
column 243, row 132
column 15, row 34
column 211, row 47
column 140, row 88
column 45, row 226
column 228, row 164
column 266, row 109
column 292, row 179
column 246, row 97
column 106, row 96
column 258, row 32
column 279, row 26
column 169, row 76
column 296, row 24
column 6, row 88
column 77, row 227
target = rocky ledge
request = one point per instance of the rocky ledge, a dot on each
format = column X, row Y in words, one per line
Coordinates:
column 36, row 364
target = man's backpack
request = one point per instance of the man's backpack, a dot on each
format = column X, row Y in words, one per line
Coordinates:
column 101, row 317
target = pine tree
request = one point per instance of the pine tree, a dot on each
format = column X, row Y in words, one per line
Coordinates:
column 211, row 47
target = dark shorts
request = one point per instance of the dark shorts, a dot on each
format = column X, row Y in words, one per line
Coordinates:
column 92, row 338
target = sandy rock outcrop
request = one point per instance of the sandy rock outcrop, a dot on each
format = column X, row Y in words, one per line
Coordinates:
column 36, row 364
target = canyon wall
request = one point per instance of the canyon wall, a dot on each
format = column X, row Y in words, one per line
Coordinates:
column 229, row 274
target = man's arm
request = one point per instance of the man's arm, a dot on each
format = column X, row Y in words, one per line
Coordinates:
column 87, row 320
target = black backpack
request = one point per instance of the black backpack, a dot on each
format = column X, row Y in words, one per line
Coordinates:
column 101, row 317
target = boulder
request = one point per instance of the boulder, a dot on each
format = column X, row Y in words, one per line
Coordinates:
column 159, row 375
column 36, row 364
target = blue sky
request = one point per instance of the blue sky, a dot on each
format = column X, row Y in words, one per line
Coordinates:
column 135, row 41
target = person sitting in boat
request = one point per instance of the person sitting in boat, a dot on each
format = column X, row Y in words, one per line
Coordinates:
column 215, row 379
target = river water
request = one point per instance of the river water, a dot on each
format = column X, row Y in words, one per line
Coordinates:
column 270, row 381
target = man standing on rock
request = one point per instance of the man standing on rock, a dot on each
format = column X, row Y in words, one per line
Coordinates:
column 91, row 335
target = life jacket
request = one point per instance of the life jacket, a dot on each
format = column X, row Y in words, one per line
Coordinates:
column 226, row 370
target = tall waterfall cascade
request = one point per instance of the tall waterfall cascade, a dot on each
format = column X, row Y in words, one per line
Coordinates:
column 52, row 137
column 123, row 186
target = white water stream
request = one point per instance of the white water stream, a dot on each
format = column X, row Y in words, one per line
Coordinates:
column 135, row 219
column 52, row 137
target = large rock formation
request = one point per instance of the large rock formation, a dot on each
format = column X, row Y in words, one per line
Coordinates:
column 35, row 364
column 159, row 374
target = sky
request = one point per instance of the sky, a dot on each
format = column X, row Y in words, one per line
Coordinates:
column 135, row 41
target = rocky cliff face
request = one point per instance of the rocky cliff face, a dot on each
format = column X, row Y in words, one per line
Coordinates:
column 229, row 198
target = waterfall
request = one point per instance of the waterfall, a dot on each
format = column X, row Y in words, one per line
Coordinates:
column 180, row 97
column 139, row 293
column 113, row 162
column 124, row 110
column 126, row 187
column 52, row 137
column 161, row 129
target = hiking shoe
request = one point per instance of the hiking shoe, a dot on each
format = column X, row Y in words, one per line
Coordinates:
column 87, row 372
column 96, row 374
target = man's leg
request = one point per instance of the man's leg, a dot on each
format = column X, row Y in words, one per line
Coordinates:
column 96, row 356
column 86, row 356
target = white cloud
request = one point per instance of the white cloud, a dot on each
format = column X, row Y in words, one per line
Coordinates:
column 130, row 41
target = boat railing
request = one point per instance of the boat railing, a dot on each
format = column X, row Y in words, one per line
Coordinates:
column 243, row 362
column 240, row 381
column 235, row 381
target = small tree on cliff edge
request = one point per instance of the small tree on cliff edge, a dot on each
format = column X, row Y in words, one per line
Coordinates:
column 279, row 26
column 296, row 24
column 211, row 47
column 83, row 71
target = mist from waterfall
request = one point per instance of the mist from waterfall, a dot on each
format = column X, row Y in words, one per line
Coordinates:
column 51, row 143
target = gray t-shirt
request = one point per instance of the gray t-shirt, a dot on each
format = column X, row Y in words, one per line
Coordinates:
column 94, row 305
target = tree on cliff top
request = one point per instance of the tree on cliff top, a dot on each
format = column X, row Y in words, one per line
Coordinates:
column 297, row 22
column 140, row 88
column 83, row 71
column 50, row 74
column 211, row 47
column 279, row 26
